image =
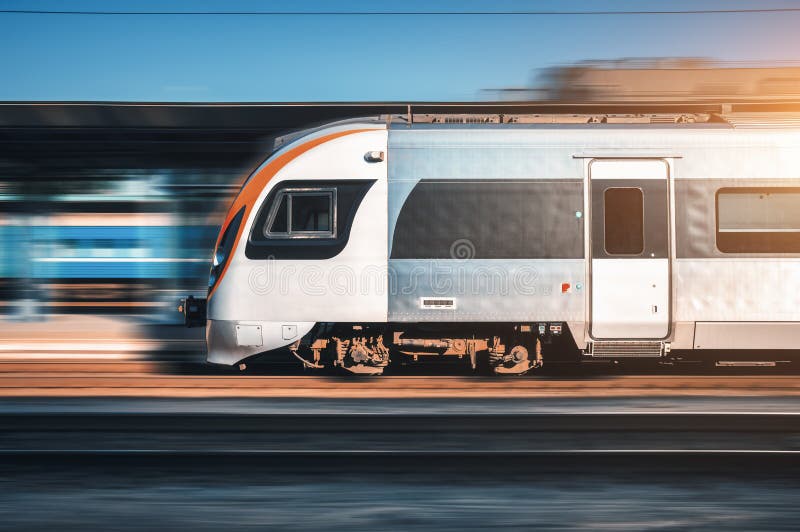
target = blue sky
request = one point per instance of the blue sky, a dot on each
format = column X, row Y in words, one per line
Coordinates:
column 352, row 58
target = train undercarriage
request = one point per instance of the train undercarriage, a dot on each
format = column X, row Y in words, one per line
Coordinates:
column 488, row 348
column 369, row 349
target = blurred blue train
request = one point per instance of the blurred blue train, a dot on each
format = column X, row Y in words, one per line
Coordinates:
column 102, row 262
column 113, row 221
column 115, row 207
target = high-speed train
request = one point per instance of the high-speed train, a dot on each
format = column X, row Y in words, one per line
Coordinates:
column 506, row 242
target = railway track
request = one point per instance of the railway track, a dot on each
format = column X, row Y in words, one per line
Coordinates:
column 452, row 427
column 654, row 463
column 140, row 379
column 364, row 492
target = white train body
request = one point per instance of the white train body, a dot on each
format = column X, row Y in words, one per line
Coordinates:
column 635, row 240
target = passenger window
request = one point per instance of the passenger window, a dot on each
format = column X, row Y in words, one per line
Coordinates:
column 624, row 221
column 758, row 220
column 303, row 213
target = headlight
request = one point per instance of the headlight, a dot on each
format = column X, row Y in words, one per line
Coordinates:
column 219, row 257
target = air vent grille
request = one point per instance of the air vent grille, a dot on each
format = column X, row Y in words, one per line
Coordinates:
column 623, row 349
column 562, row 118
column 456, row 119
column 762, row 120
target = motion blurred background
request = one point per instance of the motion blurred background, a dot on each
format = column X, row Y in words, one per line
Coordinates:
column 114, row 217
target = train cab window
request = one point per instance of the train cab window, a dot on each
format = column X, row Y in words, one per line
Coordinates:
column 280, row 222
column 303, row 213
column 306, row 219
column 758, row 219
column 624, row 221
column 311, row 212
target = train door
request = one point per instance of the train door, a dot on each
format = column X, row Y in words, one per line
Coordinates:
column 629, row 246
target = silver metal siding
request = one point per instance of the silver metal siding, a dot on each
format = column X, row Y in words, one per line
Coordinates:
column 711, row 289
column 488, row 289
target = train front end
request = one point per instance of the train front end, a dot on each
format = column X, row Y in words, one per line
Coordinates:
column 303, row 243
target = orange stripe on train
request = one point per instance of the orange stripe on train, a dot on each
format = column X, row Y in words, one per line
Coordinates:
column 249, row 194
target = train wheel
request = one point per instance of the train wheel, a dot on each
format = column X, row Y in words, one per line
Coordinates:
column 362, row 355
column 517, row 360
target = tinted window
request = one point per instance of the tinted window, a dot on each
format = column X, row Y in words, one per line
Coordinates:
column 306, row 213
column 624, row 221
column 490, row 219
column 758, row 220
column 280, row 223
column 311, row 212
column 322, row 215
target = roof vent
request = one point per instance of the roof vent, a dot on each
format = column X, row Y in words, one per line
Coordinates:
column 456, row 119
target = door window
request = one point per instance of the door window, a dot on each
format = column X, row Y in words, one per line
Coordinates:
column 624, row 221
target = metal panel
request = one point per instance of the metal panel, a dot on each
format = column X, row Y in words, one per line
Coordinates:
column 613, row 153
column 249, row 336
column 625, row 169
column 224, row 347
column 488, row 290
column 682, row 335
column 746, row 335
column 630, row 298
column 547, row 152
column 737, row 289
